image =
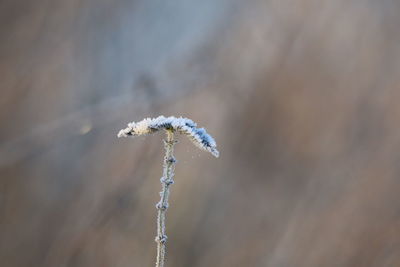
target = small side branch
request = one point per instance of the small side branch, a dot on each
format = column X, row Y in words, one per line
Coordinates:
column 162, row 206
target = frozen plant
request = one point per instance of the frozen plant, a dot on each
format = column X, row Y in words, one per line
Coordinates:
column 171, row 125
column 181, row 125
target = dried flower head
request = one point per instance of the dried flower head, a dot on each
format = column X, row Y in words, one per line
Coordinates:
column 185, row 126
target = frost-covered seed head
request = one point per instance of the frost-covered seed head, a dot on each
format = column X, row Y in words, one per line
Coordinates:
column 185, row 126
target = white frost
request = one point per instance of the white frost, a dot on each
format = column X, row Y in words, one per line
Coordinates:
column 185, row 126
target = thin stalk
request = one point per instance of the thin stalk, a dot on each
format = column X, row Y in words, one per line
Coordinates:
column 162, row 206
column 171, row 125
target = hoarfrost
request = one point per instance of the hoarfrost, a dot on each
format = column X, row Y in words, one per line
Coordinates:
column 185, row 126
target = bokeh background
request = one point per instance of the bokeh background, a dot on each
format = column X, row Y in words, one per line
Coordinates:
column 302, row 97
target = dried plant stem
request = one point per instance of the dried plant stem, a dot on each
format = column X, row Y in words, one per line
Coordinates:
column 162, row 206
column 171, row 125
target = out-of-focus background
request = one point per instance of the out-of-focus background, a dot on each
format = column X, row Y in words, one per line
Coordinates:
column 302, row 98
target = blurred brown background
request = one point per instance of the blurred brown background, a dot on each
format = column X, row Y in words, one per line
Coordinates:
column 301, row 96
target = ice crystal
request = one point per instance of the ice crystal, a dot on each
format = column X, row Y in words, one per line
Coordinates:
column 185, row 126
